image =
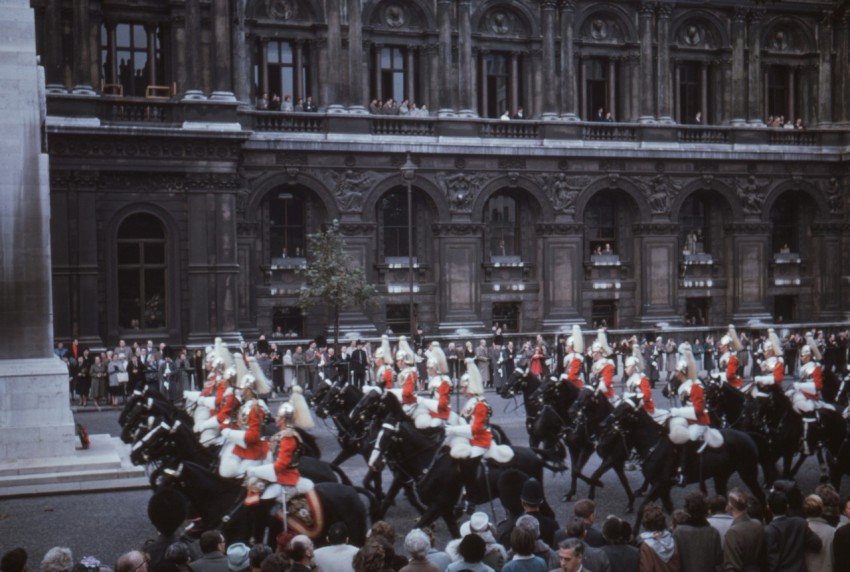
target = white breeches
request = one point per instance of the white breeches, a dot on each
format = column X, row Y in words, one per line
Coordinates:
column 696, row 432
column 231, row 465
column 266, row 473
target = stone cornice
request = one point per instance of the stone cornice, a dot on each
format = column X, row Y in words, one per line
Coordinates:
column 747, row 228
column 457, row 229
column 656, row 228
column 559, row 229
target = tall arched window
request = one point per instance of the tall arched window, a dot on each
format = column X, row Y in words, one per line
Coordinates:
column 287, row 231
column 601, row 223
column 696, row 225
column 142, row 273
column 785, row 217
column 502, row 226
column 394, row 223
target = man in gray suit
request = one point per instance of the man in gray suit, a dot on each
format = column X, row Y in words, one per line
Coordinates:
column 213, row 559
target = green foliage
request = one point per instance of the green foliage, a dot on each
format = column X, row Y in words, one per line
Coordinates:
column 331, row 277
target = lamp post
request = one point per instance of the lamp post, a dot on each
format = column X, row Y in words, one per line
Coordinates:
column 408, row 173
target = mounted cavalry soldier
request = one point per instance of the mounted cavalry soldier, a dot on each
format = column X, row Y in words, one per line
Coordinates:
column 437, row 409
column 407, row 377
column 222, row 402
column 574, row 360
column 728, row 365
column 805, row 394
column 385, row 376
column 244, row 445
column 473, row 440
column 690, row 423
column 772, row 367
column 602, row 370
column 638, row 390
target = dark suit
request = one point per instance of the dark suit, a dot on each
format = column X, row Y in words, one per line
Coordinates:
column 743, row 545
column 359, row 361
column 787, row 538
column 212, row 562
column 841, row 549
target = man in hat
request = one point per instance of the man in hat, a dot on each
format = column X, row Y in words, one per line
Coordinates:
column 237, row 557
column 693, row 410
column 385, row 376
column 244, row 443
column 574, row 360
column 167, row 511
column 359, row 359
column 439, row 384
column 638, row 390
column 772, row 367
column 532, row 499
column 602, row 371
column 729, row 346
column 407, row 376
column 806, row 398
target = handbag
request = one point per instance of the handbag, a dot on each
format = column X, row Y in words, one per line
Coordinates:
column 123, row 377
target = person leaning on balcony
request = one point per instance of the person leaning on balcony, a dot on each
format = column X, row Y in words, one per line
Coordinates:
column 263, row 102
column 287, row 103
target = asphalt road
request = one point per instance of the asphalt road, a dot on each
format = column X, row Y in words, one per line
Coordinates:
column 108, row 524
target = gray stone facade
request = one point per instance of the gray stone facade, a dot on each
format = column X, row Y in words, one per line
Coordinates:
column 725, row 220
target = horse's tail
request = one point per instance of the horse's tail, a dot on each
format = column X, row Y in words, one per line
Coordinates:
column 343, row 478
column 311, row 444
column 374, row 505
column 499, row 434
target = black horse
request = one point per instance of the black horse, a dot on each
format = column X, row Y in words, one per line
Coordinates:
column 522, row 381
column 220, row 504
column 420, row 457
column 659, row 458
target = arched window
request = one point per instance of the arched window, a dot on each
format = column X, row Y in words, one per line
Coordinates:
column 502, row 226
column 393, row 215
column 601, row 223
column 785, row 219
column 142, row 273
column 287, row 231
column 696, row 225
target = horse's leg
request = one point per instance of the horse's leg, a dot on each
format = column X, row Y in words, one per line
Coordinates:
column 621, row 473
column 413, row 498
column 389, row 499
column 824, row 469
column 576, row 468
column 800, row 460
column 343, row 456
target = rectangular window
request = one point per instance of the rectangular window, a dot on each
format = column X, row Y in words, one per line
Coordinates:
column 596, row 84
column 777, row 92
column 290, row 321
column 285, row 76
column 498, row 84
column 696, row 311
column 689, row 92
column 287, row 232
column 131, row 57
column 604, row 314
column 507, row 315
column 399, row 319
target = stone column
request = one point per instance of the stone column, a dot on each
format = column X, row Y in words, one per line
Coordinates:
column 842, row 71
column 264, row 66
column 111, row 42
column 409, row 68
column 550, row 100
column 482, row 83
column 193, row 51
column 432, row 55
column 665, row 94
column 735, row 92
column 754, row 88
column 459, row 247
column 466, row 69
column 827, row 270
column 241, row 55
column 213, row 270
column 150, row 32
column 750, row 256
column 444, row 23
column 824, row 86
column 513, row 96
column 35, row 421
column 634, row 70
column 612, row 87
column 569, row 105
column 376, row 71
column 532, row 97
column 82, row 48
column 333, row 59
column 703, row 94
column 54, row 67
column 656, row 273
column 647, row 99
column 356, row 96
column 221, row 52
column 561, row 273
column 298, row 76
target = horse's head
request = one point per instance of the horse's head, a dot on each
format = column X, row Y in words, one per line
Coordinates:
column 672, row 388
column 367, row 408
column 329, row 399
column 387, row 437
column 516, row 383
column 585, row 396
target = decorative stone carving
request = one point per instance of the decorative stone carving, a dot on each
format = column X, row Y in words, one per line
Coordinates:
column 832, row 190
column 357, row 228
column 752, row 193
column 500, row 22
column 282, row 9
column 395, row 15
column 460, row 163
column 176, row 183
column 140, row 148
column 563, row 190
column 464, row 229
column 290, row 158
column 349, row 188
column 656, row 228
column 602, row 28
column 785, row 38
column 747, row 228
column 659, row 191
column 698, row 35
column 508, row 163
column 460, row 189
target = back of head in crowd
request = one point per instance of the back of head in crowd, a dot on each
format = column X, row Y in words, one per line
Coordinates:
column 133, row 561
column 417, row 544
column 57, row 559
column 778, row 503
column 178, row 553
column 696, row 506
column 584, row 508
column 576, row 528
column 277, row 562
column 472, row 548
column 523, row 541
column 212, row 541
column 258, row 553
column 612, row 530
column 14, row 561
column 653, row 518
column 338, row 533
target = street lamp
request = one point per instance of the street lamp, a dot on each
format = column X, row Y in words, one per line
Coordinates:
column 408, row 173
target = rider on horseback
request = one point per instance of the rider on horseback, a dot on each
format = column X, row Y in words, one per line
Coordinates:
column 693, row 411
column 728, row 372
column 602, row 371
column 440, row 386
column 773, row 367
column 474, row 438
column 244, row 446
column 407, row 377
column 574, row 361
column 385, row 376
column 638, row 390
column 806, row 392
column 222, row 403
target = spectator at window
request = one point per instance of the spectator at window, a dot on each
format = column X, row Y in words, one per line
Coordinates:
column 263, row 102
column 287, row 103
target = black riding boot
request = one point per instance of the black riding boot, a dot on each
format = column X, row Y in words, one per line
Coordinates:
column 468, row 469
column 681, row 479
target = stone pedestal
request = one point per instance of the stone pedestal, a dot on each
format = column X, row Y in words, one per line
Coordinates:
column 35, row 418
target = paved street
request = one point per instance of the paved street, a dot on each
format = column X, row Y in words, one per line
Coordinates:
column 105, row 525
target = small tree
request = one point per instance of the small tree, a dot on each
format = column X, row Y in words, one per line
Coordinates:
column 332, row 278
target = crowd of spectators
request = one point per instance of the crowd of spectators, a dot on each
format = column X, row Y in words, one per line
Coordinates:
column 274, row 103
column 792, row 532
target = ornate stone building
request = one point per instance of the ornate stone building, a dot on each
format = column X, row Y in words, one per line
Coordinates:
column 180, row 210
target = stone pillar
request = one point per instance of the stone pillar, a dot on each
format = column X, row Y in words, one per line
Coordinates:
column 409, row 68
column 484, row 111
column 647, row 99
column 736, row 91
column 221, row 52
column 531, row 98
column 569, row 105
column 444, row 23
column 213, row 270
column 827, row 271
column 466, row 69
column 432, row 55
column 665, row 92
column 333, row 60
column 376, row 72
column 750, row 257
column 35, row 420
column 54, row 66
column 193, row 51
column 842, row 71
column 550, row 100
column 356, row 96
column 264, row 67
column 612, row 87
column 459, row 275
column 82, row 48
column 824, row 85
column 561, row 273
column 298, row 76
column 754, row 88
column 703, row 94
column 513, row 96
column 634, row 70
column 242, row 68
column 656, row 273
column 150, row 32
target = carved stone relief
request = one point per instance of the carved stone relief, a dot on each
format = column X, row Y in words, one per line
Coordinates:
column 752, row 193
column 602, row 28
column 562, row 190
column 460, row 189
column 659, row 191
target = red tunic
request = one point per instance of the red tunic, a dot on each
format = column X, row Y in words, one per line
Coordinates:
column 537, row 363
column 224, row 412
column 257, row 448
column 732, row 372
column 444, row 394
column 606, row 377
column 646, row 391
column 287, row 475
column 778, row 370
column 697, row 397
column 574, row 372
column 817, row 377
column 481, row 436
column 408, row 386
column 385, row 374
